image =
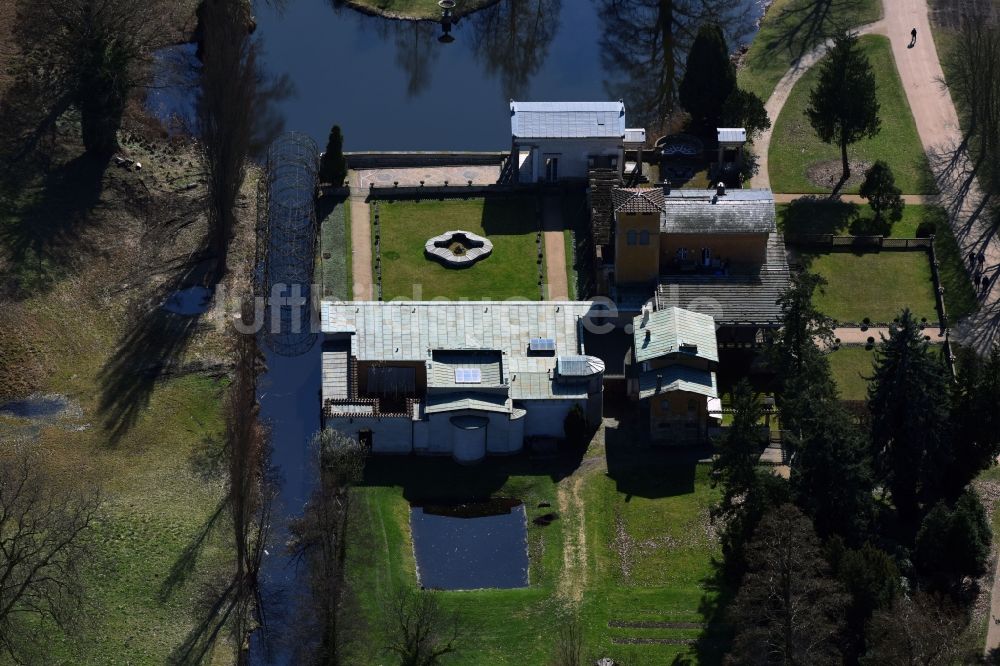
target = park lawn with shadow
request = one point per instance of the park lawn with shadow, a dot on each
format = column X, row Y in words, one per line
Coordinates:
column 820, row 216
column 876, row 285
column 795, row 148
column 792, row 28
column 510, row 272
column 646, row 556
column 84, row 323
column 850, row 367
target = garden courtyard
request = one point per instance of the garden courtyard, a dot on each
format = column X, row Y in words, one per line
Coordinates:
column 511, row 223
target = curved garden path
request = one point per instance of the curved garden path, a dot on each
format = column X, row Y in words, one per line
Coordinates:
column 937, row 124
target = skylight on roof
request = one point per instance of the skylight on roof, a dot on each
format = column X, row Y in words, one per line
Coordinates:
column 541, row 344
column 468, row 376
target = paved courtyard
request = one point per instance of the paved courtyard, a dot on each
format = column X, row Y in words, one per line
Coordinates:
column 431, row 175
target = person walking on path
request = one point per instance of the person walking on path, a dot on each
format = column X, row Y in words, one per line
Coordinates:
column 913, row 38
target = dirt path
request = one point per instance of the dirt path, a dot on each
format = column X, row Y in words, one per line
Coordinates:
column 937, row 123
column 569, row 498
column 361, row 241
column 911, row 199
column 555, row 249
column 776, row 102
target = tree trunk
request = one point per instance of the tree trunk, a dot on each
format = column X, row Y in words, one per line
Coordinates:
column 847, row 169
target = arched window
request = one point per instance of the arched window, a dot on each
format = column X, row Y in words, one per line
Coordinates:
column 643, row 237
column 631, row 237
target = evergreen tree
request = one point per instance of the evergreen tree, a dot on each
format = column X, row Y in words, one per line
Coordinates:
column 873, row 581
column 745, row 109
column 909, row 402
column 709, row 80
column 975, row 420
column 879, row 187
column 789, row 609
column 740, row 449
column 831, row 478
column 333, row 166
column 843, row 107
column 954, row 542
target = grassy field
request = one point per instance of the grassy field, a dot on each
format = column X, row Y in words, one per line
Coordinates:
column 632, row 544
column 511, row 271
column 791, row 29
column 850, row 366
column 146, row 427
column 877, row 285
column 417, row 9
column 795, row 147
column 809, row 216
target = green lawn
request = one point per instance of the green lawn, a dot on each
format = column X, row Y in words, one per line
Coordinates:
column 419, row 9
column 646, row 554
column 877, row 285
column 795, row 147
column 511, row 223
column 791, row 29
column 850, row 366
column 819, row 216
column 334, row 268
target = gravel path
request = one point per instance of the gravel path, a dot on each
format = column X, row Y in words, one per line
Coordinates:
column 361, row 240
column 555, row 250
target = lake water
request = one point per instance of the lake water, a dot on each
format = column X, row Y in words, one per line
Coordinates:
column 458, row 553
column 391, row 85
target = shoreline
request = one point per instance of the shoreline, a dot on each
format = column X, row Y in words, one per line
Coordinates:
column 363, row 7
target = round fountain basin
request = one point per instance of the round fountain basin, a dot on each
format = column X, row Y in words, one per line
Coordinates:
column 458, row 249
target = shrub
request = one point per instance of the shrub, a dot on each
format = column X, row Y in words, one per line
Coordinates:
column 926, row 229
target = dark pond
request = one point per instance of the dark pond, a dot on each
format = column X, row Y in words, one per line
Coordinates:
column 466, row 550
column 38, row 408
column 391, row 85
column 188, row 302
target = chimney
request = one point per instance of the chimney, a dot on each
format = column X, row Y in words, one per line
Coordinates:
column 720, row 189
column 659, row 382
column 666, row 187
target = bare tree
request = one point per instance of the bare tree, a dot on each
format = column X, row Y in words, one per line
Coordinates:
column 418, row 630
column 319, row 538
column 250, row 491
column 42, row 548
column 83, row 53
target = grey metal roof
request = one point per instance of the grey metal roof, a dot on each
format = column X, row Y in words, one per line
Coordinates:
column 732, row 134
column 441, row 370
column 733, row 299
column 638, row 200
column 635, row 135
column 704, row 211
column 671, row 330
column 336, row 371
column 579, row 366
column 569, row 120
column 410, row 330
column 678, row 378
column 541, row 386
column 453, row 402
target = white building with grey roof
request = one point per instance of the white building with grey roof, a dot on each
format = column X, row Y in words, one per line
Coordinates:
column 563, row 140
column 465, row 379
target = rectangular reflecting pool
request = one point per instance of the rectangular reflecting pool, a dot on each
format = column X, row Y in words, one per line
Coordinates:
column 470, row 547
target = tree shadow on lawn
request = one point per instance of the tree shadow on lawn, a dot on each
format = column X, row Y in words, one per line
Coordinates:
column 815, row 215
column 511, row 214
column 154, row 342
column 425, row 478
column 807, row 24
column 44, row 238
column 182, row 569
column 714, row 641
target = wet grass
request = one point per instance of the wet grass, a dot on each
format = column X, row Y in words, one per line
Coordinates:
column 511, row 271
column 646, row 554
column 791, row 29
column 795, row 147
